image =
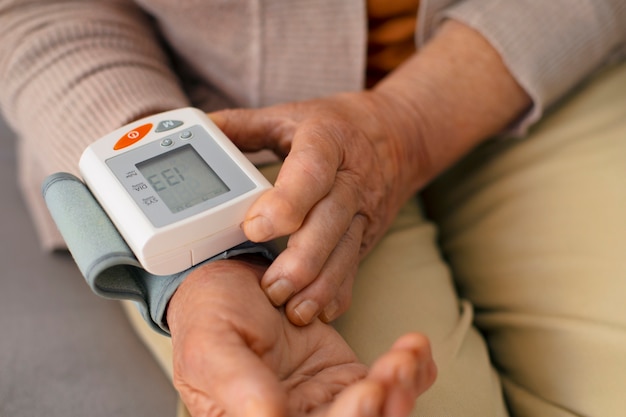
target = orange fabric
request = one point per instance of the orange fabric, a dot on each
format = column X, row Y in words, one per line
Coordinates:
column 391, row 36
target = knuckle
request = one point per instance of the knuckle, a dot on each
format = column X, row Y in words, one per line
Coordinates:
column 300, row 270
column 289, row 216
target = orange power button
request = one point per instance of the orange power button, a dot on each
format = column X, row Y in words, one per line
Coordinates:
column 133, row 136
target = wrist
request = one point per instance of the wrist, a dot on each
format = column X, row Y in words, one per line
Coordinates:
column 210, row 285
column 378, row 117
column 453, row 94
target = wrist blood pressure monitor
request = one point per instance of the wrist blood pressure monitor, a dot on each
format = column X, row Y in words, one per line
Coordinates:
column 176, row 188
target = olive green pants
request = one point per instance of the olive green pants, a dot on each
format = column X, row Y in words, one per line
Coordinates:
column 514, row 264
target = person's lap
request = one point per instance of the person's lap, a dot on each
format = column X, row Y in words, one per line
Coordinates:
column 403, row 286
column 535, row 232
column 531, row 231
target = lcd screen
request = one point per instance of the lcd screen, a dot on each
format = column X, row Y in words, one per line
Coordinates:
column 181, row 178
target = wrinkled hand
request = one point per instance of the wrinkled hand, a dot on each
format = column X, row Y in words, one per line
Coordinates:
column 336, row 194
column 237, row 355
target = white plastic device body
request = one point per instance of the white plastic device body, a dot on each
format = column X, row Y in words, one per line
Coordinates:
column 131, row 170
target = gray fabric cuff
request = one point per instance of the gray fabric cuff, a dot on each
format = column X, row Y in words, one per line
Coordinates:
column 104, row 258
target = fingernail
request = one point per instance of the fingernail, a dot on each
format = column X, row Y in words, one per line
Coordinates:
column 280, row 291
column 330, row 311
column 306, row 310
column 258, row 229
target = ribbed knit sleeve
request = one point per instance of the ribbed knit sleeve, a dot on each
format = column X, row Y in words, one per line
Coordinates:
column 71, row 71
column 548, row 46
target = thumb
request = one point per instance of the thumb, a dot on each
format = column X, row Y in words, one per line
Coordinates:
column 232, row 380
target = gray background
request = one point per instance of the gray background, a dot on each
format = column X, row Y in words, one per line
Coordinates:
column 63, row 351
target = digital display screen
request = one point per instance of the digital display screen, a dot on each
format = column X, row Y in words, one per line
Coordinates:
column 181, row 178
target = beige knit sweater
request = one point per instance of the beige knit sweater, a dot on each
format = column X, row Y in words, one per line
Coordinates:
column 72, row 70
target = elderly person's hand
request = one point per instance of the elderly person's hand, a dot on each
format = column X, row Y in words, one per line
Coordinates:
column 237, row 355
column 336, row 194
column 353, row 159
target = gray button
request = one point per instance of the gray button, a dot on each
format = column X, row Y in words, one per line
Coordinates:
column 167, row 142
column 166, row 125
column 185, row 135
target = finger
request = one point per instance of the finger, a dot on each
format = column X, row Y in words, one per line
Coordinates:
column 306, row 177
column 407, row 370
column 309, row 248
column 342, row 301
column 331, row 291
column 253, row 130
column 364, row 399
column 414, row 363
column 383, row 393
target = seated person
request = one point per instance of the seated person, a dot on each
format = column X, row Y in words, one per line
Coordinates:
column 498, row 263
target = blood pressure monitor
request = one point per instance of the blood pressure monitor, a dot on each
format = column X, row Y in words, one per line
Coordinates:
column 176, row 188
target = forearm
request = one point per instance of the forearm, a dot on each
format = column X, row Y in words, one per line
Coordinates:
column 452, row 95
column 549, row 46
